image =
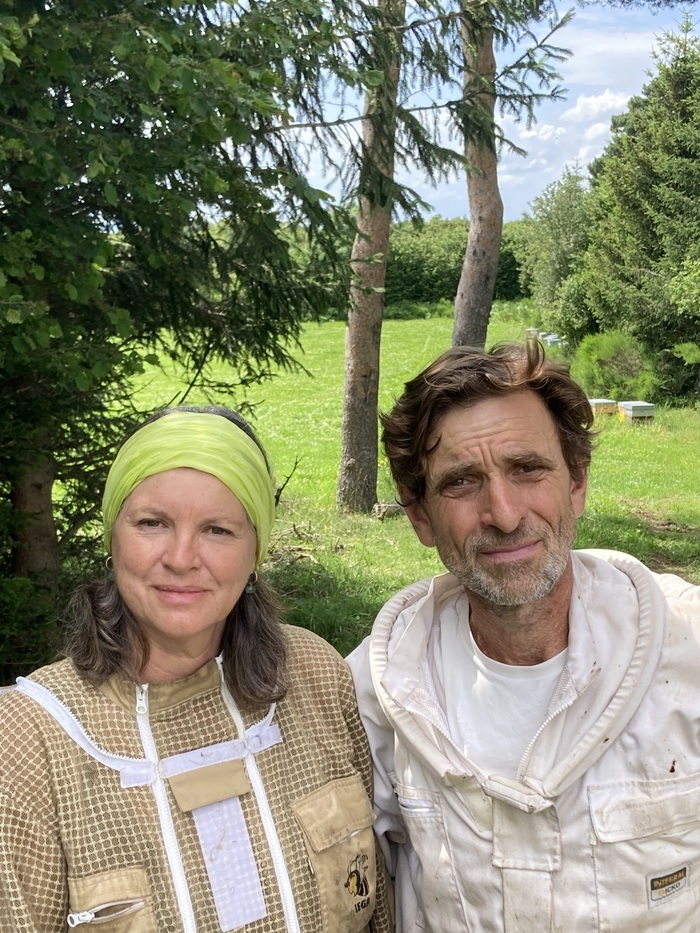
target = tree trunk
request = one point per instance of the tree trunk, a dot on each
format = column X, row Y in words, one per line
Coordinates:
column 357, row 477
column 478, row 278
column 35, row 547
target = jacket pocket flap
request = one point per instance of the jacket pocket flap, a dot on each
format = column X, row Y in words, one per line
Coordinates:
column 106, row 887
column 211, row 784
column 637, row 809
column 334, row 812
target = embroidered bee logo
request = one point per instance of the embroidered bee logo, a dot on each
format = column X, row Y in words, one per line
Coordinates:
column 357, row 883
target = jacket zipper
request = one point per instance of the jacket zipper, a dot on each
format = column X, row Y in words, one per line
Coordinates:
column 76, row 918
column 46, row 698
column 519, row 776
column 476, row 770
column 166, row 818
column 256, row 782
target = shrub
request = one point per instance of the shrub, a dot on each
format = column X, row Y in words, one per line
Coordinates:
column 615, row 365
column 406, row 310
column 509, row 285
column 425, row 261
column 28, row 634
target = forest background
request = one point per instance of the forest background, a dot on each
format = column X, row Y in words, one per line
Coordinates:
column 158, row 224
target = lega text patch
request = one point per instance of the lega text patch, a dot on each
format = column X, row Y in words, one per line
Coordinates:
column 670, row 883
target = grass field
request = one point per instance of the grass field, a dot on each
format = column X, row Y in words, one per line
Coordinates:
column 335, row 571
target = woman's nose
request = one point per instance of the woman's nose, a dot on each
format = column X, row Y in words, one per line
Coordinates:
column 182, row 552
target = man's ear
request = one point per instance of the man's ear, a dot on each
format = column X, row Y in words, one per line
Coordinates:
column 579, row 488
column 422, row 525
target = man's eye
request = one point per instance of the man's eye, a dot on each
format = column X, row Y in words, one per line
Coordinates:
column 528, row 468
column 459, row 484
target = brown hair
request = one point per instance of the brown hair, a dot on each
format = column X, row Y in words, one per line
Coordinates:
column 462, row 376
column 104, row 638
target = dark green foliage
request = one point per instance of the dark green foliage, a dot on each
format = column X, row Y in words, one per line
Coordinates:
column 619, row 250
column 645, row 210
column 615, row 365
column 550, row 244
column 509, row 282
column 149, row 203
column 425, row 262
column 29, row 633
column 418, row 310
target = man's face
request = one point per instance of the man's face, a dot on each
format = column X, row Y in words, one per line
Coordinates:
column 500, row 504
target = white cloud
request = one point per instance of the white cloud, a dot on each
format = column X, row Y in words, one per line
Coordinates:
column 593, row 106
column 544, row 131
column 597, row 132
column 624, row 58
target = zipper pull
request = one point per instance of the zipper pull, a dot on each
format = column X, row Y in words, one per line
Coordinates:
column 83, row 916
column 112, row 910
column 141, row 699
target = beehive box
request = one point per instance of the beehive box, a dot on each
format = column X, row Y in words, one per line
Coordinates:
column 603, row 406
column 635, row 411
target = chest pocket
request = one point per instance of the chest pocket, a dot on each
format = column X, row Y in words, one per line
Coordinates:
column 116, row 901
column 432, row 866
column 336, row 822
column 647, row 843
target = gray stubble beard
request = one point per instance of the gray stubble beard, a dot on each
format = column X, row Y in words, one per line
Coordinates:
column 530, row 584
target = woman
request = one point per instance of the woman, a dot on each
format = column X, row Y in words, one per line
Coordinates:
column 193, row 765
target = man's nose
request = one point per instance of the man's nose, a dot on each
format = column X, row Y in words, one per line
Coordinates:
column 502, row 507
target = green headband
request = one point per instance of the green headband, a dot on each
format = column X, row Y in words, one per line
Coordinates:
column 207, row 442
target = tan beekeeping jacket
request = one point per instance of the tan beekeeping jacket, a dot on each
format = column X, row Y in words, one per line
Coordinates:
column 75, row 841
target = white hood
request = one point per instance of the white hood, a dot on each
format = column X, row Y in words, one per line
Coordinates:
column 629, row 651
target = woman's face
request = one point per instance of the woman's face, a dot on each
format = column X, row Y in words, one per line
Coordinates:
column 183, row 549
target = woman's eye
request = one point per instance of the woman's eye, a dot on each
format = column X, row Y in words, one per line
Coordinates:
column 218, row 530
column 149, row 522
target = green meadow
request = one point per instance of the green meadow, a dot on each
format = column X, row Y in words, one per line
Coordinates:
column 335, row 571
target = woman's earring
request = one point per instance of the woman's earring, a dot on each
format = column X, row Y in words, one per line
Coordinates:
column 109, row 564
column 250, row 585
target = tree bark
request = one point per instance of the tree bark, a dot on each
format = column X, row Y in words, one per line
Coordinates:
column 357, row 477
column 35, row 546
column 478, row 278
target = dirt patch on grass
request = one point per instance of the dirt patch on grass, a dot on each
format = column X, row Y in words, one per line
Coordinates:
column 667, row 526
column 660, row 561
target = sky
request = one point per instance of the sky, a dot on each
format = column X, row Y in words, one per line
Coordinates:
column 611, row 61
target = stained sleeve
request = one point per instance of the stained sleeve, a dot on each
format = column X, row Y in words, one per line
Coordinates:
column 389, row 827
column 383, row 916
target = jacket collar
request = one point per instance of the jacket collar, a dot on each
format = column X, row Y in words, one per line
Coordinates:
column 166, row 695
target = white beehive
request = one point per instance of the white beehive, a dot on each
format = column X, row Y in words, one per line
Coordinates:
column 635, row 411
column 603, row 406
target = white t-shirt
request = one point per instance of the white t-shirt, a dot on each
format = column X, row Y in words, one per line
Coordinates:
column 493, row 710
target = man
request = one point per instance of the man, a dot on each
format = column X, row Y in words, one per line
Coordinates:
column 534, row 712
